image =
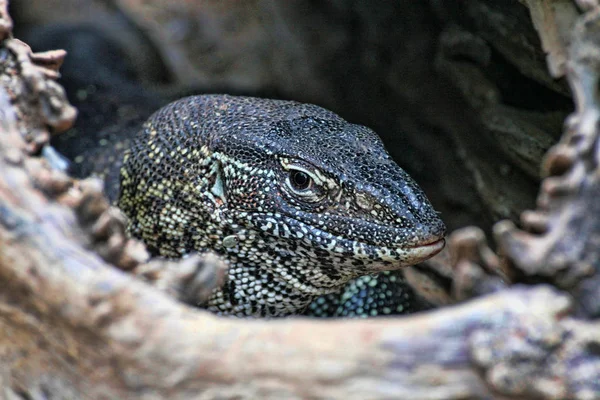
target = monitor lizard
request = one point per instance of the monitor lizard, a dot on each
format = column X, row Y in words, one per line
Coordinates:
column 298, row 201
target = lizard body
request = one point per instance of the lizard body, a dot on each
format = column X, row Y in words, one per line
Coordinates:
column 297, row 200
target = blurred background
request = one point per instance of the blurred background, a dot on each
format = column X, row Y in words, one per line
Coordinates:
column 458, row 90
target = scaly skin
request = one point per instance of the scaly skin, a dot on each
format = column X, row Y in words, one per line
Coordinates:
column 297, row 200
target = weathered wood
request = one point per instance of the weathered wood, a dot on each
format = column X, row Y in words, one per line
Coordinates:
column 75, row 323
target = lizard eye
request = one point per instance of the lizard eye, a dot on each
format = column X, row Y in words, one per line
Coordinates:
column 300, row 180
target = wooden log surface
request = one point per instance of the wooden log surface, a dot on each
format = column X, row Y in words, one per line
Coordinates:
column 75, row 324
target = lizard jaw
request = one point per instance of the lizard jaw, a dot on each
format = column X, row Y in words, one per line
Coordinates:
column 422, row 252
column 376, row 257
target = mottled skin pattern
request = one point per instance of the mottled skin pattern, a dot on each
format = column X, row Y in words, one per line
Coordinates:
column 384, row 293
column 296, row 199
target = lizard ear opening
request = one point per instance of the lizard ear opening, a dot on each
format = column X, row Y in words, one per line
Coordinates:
column 218, row 187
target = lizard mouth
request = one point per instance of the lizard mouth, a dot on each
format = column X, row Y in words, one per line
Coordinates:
column 429, row 249
column 374, row 257
column 395, row 258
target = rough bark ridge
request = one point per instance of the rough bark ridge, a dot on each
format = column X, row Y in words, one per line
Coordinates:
column 76, row 321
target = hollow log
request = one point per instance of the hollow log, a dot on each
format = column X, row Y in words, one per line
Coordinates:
column 78, row 321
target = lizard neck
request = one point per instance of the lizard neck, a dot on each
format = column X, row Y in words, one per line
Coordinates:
column 269, row 277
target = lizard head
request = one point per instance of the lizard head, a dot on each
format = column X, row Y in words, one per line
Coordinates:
column 295, row 185
column 301, row 174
